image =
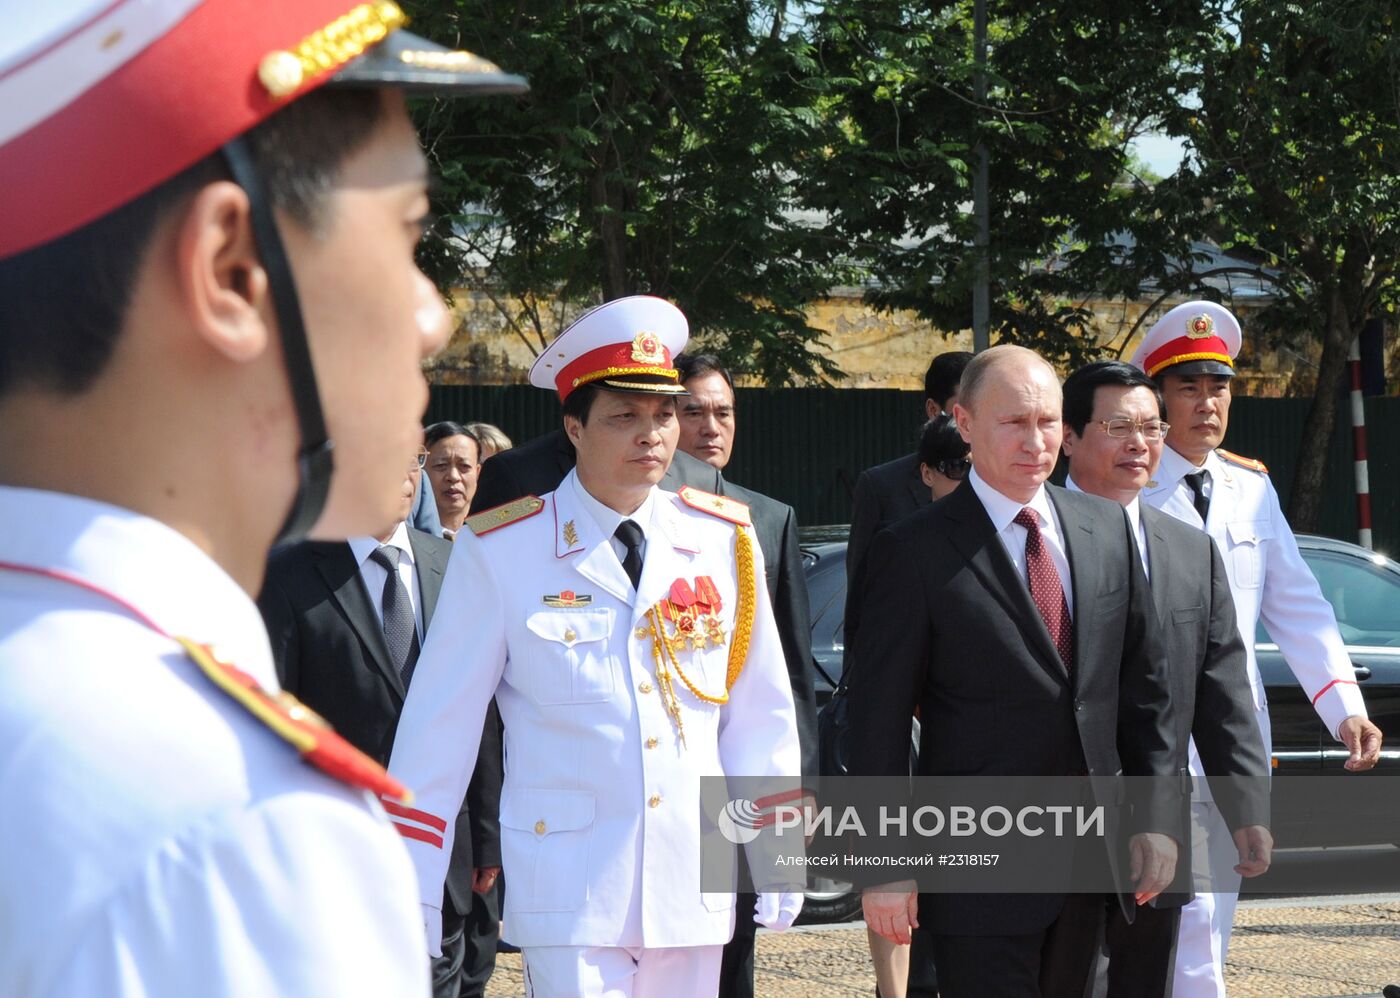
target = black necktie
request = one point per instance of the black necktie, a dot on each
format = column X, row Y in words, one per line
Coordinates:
column 400, row 631
column 1199, row 482
column 631, row 537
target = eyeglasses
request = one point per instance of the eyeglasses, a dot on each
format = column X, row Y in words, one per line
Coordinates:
column 418, row 460
column 1152, row 429
column 954, row 468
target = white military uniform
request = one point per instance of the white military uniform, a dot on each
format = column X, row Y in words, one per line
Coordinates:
column 600, row 835
column 157, row 839
column 1270, row 582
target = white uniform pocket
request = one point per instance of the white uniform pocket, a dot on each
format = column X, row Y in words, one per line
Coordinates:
column 545, row 839
column 1247, row 540
column 567, row 656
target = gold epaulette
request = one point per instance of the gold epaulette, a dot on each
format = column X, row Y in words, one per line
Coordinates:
column 721, row 506
column 1243, row 462
column 504, row 515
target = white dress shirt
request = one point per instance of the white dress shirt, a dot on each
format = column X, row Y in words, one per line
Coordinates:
column 375, row 574
column 1003, row 510
column 1134, row 511
column 608, row 518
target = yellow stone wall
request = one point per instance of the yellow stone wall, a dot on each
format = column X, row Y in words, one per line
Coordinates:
column 495, row 343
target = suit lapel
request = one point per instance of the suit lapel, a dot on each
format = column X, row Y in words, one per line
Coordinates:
column 430, row 564
column 1159, row 559
column 342, row 576
column 577, row 538
column 987, row 557
column 1083, row 573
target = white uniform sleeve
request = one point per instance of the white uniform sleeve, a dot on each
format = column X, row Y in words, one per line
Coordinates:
column 1302, row 624
column 439, row 731
column 305, row 894
column 758, row 727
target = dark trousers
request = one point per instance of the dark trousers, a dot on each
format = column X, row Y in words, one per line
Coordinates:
column 1054, row 963
column 1136, row 959
column 736, row 964
column 468, row 948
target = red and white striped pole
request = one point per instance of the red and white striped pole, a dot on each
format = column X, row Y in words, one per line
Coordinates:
column 1358, row 443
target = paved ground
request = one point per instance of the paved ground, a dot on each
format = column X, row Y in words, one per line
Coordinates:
column 1281, row 949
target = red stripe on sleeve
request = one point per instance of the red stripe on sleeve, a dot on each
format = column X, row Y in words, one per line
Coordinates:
column 422, row 817
column 414, row 832
column 1349, row 682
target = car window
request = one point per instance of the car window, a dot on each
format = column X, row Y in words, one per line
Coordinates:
column 1366, row 598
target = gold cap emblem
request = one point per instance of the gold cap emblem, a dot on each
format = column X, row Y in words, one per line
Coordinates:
column 646, row 348
column 1199, row 327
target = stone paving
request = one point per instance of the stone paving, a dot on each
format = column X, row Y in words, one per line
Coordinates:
column 1279, row 950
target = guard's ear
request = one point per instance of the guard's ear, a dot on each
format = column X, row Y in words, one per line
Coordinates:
column 221, row 280
column 573, row 429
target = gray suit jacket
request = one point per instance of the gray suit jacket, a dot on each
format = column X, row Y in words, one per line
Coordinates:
column 330, row 653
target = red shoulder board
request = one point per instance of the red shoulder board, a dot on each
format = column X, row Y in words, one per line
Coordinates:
column 1243, row 462
column 294, row 722
column 721, row 506
column 503, row 515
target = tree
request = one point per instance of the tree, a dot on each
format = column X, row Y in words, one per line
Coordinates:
column 657, row 152
column 1294, row 163
column 1070, row 84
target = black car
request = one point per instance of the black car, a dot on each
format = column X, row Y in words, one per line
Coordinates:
column 1364, row 590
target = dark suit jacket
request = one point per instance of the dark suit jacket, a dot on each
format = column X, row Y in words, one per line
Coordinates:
column 884, row 494
column 539, row 465
column 948, row 626
column 1206, row 662
column 330, row 653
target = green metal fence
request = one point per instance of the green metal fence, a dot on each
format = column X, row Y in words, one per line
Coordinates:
column 807, row 446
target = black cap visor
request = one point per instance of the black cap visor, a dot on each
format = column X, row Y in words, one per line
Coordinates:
column 416, row 65
column 1190, row 368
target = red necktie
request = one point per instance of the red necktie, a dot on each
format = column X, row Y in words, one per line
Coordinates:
column 1046, row 590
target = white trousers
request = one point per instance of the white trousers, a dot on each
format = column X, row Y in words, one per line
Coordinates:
column 1204, row 935
column 621, row 972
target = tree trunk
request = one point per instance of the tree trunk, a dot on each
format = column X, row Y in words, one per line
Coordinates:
column 1305, row 499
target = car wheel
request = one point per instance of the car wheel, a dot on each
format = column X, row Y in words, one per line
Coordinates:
column 828, row 902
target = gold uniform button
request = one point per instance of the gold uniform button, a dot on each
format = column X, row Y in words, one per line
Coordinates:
column 642, row 633
column 570, row 635
column 652, row 743
column 539, row 828
column 645, row 687
column 655, row 801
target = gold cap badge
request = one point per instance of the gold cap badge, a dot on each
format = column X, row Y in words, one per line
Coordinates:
column 646, row 348
column 1199, row 327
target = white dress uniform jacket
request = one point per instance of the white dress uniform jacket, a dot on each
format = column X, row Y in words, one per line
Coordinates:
column 157, row 839
column 1268, row 580
column 600, row 829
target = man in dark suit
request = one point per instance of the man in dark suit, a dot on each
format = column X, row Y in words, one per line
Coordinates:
column 1016, row 618
column 346, row 620
column 708, row 424
column 890, row 491
column 1115, row 430
column 537, row 466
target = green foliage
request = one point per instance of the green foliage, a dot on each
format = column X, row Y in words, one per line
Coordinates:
column 657, row 152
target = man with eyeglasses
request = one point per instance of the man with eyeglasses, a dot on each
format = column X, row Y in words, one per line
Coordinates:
column 1113, row 441
column 346, row 620
column 1190, row 352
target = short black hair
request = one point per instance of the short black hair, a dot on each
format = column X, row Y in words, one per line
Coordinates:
column 1079, row 389
column 447, row 428
column 943, row 374
column 697, row 365
column 580, row 402
column 941, row 441
column 62, row 304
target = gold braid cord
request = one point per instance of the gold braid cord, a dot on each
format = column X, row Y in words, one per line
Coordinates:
column 743, row 612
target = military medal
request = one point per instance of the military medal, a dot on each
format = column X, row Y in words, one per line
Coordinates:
column 566, row 598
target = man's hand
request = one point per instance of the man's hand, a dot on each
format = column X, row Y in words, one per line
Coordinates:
column 1363, row 740
column 484, row 878
column 777, row 910
column 892, row 910
column 1153, row 864
column 1255, row 845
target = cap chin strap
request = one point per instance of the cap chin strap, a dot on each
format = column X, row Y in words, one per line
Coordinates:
column 314, row 460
